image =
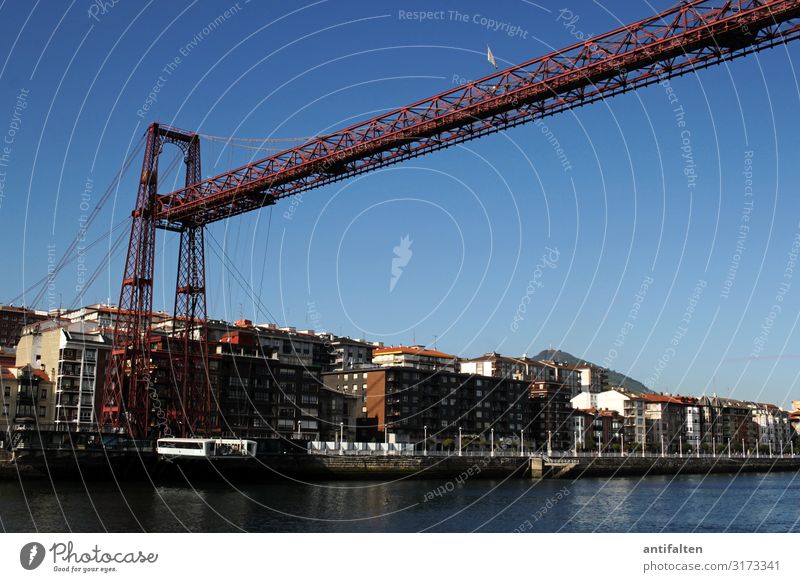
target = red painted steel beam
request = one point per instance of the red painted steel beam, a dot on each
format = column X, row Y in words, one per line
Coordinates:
column 682, row 39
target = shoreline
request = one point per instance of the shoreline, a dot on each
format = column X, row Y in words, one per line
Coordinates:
column 105, row 465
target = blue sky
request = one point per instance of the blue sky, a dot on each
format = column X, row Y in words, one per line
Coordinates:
column 616, row 259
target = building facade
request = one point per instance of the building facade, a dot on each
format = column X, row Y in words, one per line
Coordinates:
column 74, row 356
column 414, row 357
column 27, row 398
column 13, row 320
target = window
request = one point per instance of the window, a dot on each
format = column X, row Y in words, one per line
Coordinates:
column 42, row 411
column 44, row 394
column 7, row 391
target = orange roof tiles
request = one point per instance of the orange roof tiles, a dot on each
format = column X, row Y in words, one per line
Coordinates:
column 411, row 351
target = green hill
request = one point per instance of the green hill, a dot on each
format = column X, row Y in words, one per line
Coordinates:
column 614, row 378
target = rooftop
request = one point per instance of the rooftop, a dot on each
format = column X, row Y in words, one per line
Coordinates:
column 411, row 351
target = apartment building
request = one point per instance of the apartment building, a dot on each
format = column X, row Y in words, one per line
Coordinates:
column 727, row 421
column 593, row 379
column 593, row 428
column 407, row 404
column 73, row 355
column 550, row 395
column 261, row 395
column 27, row 398
column 772, row 425
column 13, row 319
column 665, row 421
column 416, row 357
column 104, row 316
column 498, row 366
column 347, row 353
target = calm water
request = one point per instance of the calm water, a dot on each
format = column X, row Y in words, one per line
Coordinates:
column 744, row 503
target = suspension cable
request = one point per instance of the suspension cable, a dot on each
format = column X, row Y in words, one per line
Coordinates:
column 90, row 219
column 229, row 266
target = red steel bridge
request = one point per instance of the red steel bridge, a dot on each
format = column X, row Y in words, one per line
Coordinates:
column 681, row 40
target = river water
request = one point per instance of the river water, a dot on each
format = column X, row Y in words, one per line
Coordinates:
column 701, row 503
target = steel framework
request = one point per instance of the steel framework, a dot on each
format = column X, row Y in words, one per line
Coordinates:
column 130, row 402
column 682, row 39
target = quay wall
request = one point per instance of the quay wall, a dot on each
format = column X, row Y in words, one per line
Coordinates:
column 642, row 466
column 146, row 465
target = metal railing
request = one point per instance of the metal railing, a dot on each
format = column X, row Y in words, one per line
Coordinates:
column 553, row 455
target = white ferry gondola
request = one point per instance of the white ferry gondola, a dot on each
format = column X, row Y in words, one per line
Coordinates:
column 206, row 448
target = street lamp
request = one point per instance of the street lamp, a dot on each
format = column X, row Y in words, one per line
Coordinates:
column 714, row 446
column 298, row 429
column 459, row 441
column 341, row 438
column 742, row 448
column 549, row 443
column 662, row 445
column 680, row 448
column 622, row 444
column 425, row 442
column 491, row 433
column 522, row 442
column 729, row 447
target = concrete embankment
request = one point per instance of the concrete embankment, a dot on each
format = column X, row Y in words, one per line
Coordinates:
column 146, row 465
column 131, row 466
column 577, row 467
column 330, row 467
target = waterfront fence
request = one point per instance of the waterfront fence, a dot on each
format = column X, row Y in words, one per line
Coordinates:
column 410, row 449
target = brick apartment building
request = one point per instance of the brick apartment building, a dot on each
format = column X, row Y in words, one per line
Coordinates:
column 13, row 319
column 398, row 403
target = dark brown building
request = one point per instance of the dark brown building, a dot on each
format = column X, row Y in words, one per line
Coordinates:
column 263, row 397
column 406, row 405
column 13, row 319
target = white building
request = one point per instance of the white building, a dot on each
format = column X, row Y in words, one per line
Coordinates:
column 613, row 399
column 73, row 355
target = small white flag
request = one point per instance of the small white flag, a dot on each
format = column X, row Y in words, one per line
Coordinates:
column 490, row 56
